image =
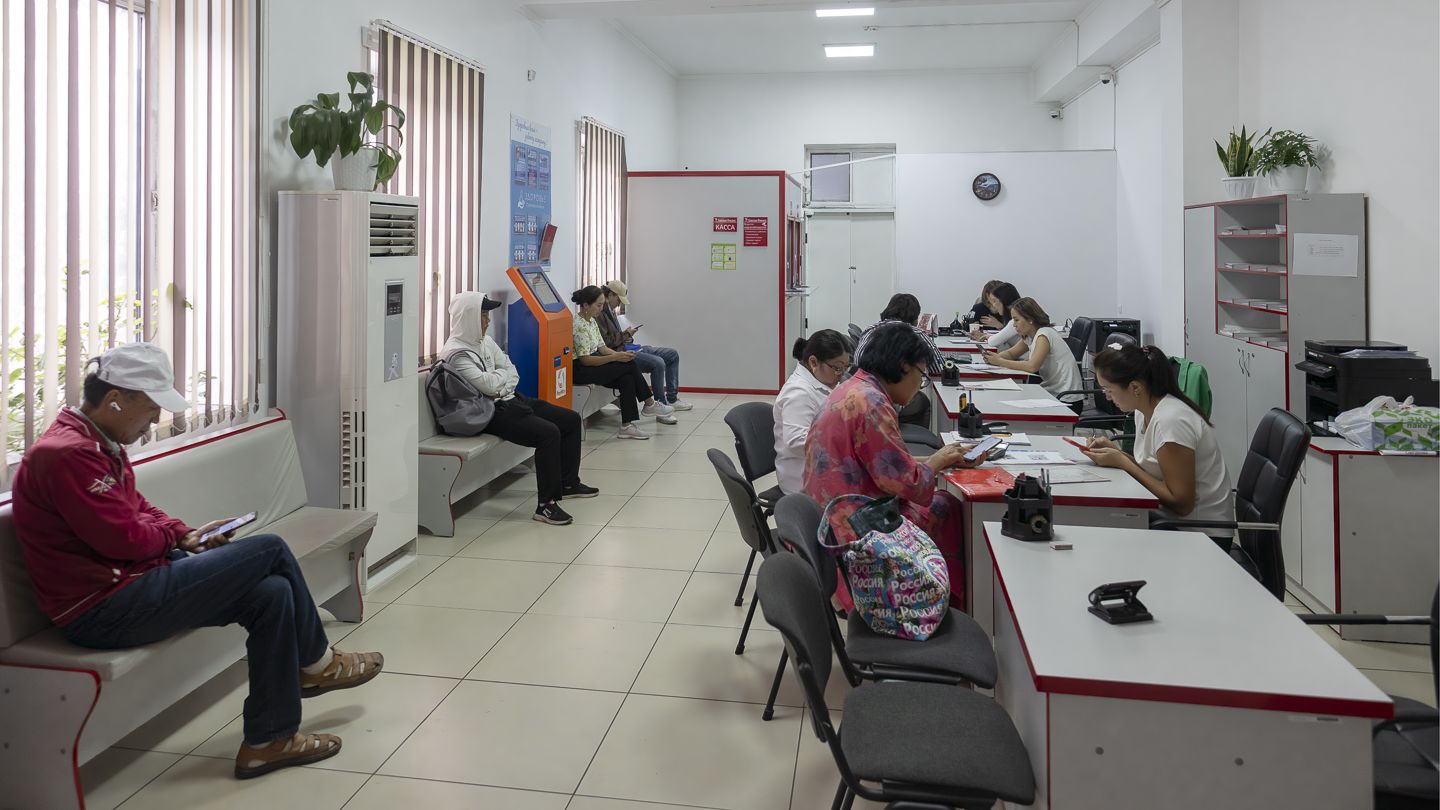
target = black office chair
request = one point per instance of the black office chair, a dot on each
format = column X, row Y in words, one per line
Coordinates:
column 1270, row 467
column 915, row 426
column 903, row 741
column 1082, row 331
column 753, row 425
column 855, row 333
column 1406, row 748
column 1118, row 338
column 958, row 652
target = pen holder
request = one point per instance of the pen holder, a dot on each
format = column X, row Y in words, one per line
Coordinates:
column 970, row 423
column 950, row 374
column 1029, row 510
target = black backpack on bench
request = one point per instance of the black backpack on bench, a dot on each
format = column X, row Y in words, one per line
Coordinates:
column 458, row 406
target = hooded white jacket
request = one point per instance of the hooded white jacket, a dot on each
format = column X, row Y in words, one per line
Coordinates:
column 494, row 375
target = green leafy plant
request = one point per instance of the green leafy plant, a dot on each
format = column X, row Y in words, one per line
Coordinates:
column 322, row 127
column 1239, row 157
column 1286, row 148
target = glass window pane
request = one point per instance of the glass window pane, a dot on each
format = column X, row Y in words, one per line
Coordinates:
column 830, row 185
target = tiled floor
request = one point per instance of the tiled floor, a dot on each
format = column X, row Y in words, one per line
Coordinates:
column 530, row 667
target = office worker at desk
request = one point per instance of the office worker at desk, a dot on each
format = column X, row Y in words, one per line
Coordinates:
column 980, row 314
column 1041, row 351
column 1176, row 455
column 1001, row 299
column 855, row 446
column 822, row 361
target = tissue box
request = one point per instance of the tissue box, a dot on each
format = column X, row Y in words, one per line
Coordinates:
column 1412, row 428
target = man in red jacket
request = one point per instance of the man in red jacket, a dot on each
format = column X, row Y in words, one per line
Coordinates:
column 113, row 571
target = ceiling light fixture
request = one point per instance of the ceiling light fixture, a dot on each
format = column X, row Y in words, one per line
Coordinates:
column 844, row 51
column 844, row 12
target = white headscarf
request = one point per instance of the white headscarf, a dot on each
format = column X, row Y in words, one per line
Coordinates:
column 465, row 315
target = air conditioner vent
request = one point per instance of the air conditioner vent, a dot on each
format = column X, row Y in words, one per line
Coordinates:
column 394, row 229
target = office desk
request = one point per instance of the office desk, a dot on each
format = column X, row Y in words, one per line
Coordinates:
column 1120, row 502
column 1057, row 420
column 1363, row 540
column 1224, row 700
column 969, row 373
column 958, row 345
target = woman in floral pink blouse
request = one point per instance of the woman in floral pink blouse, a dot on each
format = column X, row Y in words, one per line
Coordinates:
column 855, row 447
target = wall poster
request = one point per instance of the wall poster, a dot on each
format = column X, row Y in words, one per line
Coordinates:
column 529, row 190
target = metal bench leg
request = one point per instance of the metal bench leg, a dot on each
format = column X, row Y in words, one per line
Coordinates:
column 769, row 712
column 349, row 605
column 438, row 474
column 45, row 712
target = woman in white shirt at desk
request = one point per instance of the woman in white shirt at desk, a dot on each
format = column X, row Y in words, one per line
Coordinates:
column 1176, row 455
column 1045, row 353
column 823, row 360
column 999, row 299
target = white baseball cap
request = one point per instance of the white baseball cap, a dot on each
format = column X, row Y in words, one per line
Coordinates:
column 142, row 367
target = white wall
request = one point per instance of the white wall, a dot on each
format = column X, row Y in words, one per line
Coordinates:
column 1051, row 231
column 583, row 68
column 1363, row 78
column 1146, row 288
column 764, row 122
column 1089, row 121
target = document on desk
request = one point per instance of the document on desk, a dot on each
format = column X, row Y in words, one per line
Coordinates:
column 1006, row 384
column 974, row 366
column 1033, row 404
column 1061, row 475
column 1022, row 458
column 953, row 437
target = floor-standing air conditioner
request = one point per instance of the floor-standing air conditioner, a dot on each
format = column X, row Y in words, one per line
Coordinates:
column 347, row 348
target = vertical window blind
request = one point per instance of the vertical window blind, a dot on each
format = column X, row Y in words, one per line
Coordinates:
column 127, row 201
column 443, row 97
column 601, row 202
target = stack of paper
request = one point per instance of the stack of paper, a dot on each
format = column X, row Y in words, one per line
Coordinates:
column 1021, row 458
column 1006, row 384
column 1033, row 404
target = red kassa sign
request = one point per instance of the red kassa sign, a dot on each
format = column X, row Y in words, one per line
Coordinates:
column 757, row 231
column 726, row 224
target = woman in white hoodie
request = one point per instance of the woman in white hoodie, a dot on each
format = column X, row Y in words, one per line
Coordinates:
column 553, row 431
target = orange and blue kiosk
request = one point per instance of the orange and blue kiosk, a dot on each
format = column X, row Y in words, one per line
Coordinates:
column 540, row 337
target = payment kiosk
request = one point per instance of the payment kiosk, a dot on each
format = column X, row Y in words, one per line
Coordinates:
column 540, row 337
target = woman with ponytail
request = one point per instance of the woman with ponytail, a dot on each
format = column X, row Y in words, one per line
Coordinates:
column 1176, row 455
column 823, row 360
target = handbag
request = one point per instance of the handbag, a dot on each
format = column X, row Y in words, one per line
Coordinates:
column 897, row 576
column 458, row 406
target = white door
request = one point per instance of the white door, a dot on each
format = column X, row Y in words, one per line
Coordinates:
column 850, row 268
column 828, row 273
column 872, row 254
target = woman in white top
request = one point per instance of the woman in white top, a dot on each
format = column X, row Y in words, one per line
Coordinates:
column 1176, row 455
column 553, row 431
column 1045, row 353
column 999, row 300
column 823, row 360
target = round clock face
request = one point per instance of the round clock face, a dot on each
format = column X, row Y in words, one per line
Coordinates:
column 986, row 186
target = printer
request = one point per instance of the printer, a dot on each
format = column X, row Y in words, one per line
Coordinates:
column 1345, row 374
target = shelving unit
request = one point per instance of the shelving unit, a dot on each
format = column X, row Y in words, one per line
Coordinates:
column 1248, row 313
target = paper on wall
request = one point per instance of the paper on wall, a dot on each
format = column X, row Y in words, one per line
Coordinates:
column 1326, row 254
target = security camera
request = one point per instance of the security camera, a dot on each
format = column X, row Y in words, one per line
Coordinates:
column 1056, row 114
column 1107, row 77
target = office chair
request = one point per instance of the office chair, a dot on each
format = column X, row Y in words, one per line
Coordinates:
column 1082, row 331
column 1270, row 467
column 1406, row 748
column 753, row 425
column 855, row 333
column 958, row 652
column 903, row 741
column 755, row 531
column 1119, row 338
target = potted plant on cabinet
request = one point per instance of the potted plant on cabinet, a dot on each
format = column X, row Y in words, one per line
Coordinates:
column 1238, row 158
column 1286, row 160
column 322, row 128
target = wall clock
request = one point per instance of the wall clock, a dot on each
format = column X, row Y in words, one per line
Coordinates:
column 986, row 186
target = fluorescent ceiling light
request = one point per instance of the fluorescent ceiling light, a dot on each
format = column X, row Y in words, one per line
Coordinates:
column 842, row 51
column 844, row 12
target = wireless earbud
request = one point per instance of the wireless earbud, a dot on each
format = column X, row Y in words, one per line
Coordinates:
column 114, row 406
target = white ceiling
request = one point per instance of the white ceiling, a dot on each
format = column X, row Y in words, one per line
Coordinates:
column 708, row 37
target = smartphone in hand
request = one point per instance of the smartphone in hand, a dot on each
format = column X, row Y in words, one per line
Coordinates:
column 226, row 528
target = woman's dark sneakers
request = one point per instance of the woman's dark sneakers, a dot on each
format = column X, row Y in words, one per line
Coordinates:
column 552, row 513
column 579, row 491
